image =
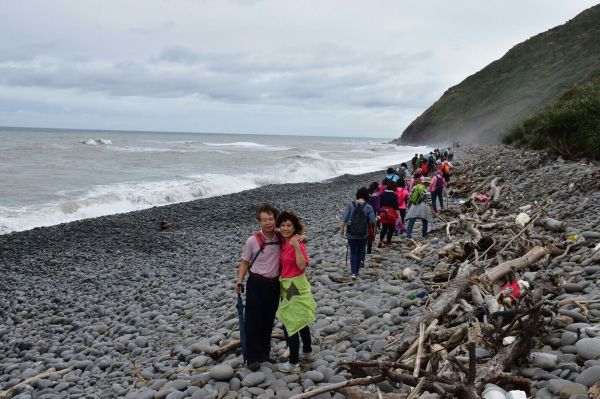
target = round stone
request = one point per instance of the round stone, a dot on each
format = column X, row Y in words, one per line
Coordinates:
column 253, row 379
column 588, row 348
column 222, row 372
column 589, row 377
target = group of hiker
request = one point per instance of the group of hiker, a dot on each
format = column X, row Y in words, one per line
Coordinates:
column 274, row 259
column 394, row 205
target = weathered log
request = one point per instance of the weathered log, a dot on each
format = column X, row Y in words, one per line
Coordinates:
column 233, row 345
column 494, row 369
column 443, row 334
column 438, row 387
column 476, row 295
column 357, row 393
column 495, row 189
column 551, row 224
column 434, row 311
column 338, row 385
column 9, row 392
column 535, row 254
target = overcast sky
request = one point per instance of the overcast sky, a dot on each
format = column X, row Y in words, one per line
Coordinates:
column 339, row 68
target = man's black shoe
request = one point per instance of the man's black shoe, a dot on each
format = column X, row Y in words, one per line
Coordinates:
column 253, row 366
column 268, row 360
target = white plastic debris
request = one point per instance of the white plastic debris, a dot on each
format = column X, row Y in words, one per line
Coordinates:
column 597, row 247
column 408, row 274
column 522, row 219
column 549, row 356
column 508, row 340
column 465, row 305
column 523, row 286
column 516, row 395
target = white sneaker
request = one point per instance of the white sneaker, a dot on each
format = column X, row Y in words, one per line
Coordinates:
column 288, row 367
column 307, row 357
column 354, row 277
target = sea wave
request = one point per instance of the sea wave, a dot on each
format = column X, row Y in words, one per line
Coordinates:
column 248, row 144
column 97, row 141
column 308, row 166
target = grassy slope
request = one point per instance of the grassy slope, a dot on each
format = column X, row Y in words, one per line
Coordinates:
column 569, row 127
column 530, row 76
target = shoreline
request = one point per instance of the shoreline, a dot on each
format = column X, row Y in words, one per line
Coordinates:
column 133, row 311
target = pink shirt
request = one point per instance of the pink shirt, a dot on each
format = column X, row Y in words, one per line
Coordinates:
column 289, row 268
column 267, row 263
column 402, row 194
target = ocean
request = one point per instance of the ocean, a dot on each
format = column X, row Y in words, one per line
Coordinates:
column 52, row 176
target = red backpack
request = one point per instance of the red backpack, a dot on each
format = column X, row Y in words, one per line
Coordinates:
column 260, row 238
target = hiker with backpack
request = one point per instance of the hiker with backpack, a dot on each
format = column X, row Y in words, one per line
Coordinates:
column 402, row 193
column 374, row 201
column 413, row 162
column 446, row 170
column 437, row 187
column 418, row 177
column 430, row 162
column 357, row 216
column 261, row 262
column 391, row 175
column 403, row 171
column 418, row 208
column 297, row 308
column 388, row 213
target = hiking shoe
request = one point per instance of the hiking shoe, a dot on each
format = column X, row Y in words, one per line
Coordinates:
column 288, row 367
column 253, row 366
column 354, row 277
column 307, row 356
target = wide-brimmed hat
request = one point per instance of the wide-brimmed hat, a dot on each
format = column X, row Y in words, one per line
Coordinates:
column 427, row 180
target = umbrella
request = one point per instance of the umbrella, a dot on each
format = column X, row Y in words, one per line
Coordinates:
column 240, row 308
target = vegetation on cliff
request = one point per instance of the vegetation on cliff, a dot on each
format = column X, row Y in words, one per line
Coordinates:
column 570, row 126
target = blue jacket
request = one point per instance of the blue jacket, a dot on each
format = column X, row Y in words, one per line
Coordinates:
column 369, row 212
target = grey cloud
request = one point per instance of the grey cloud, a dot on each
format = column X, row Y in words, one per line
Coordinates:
column 329, row 75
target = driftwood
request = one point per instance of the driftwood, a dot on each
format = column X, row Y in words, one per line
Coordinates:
column 357, row 393
column 524, row 261
column 441, row 305
column 338, row 385
column 495, row 189
column 9, row 392
column 233, row 345
column 551, row 224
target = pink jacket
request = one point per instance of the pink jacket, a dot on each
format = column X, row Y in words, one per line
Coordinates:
column 433, row 184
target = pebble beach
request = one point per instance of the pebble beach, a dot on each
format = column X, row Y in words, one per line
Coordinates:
column 115, row 307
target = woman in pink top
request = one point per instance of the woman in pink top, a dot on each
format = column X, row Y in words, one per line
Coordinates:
column 403, row 195
column 297, row 308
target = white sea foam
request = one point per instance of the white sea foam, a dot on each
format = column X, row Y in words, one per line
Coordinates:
column 97, row 141
column 248, row 144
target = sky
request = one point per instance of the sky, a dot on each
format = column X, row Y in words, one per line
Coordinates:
column 329, row 67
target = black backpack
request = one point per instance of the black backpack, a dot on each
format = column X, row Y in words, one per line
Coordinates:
column 359, row 224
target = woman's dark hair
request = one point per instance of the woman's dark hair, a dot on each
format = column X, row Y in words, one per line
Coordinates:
column 390, row 171
column 401, row 182
column 373, row 187
column 266, row 208
column 290, row 216
column 391, row 185
column 403, row 165
column 363, row 193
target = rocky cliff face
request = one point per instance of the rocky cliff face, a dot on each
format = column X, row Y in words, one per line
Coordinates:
column 527, row 78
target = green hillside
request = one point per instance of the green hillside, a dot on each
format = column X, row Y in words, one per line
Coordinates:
column 529, row 77
column 569, row 127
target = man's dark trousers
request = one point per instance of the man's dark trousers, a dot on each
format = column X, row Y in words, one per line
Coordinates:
column 262, row 300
